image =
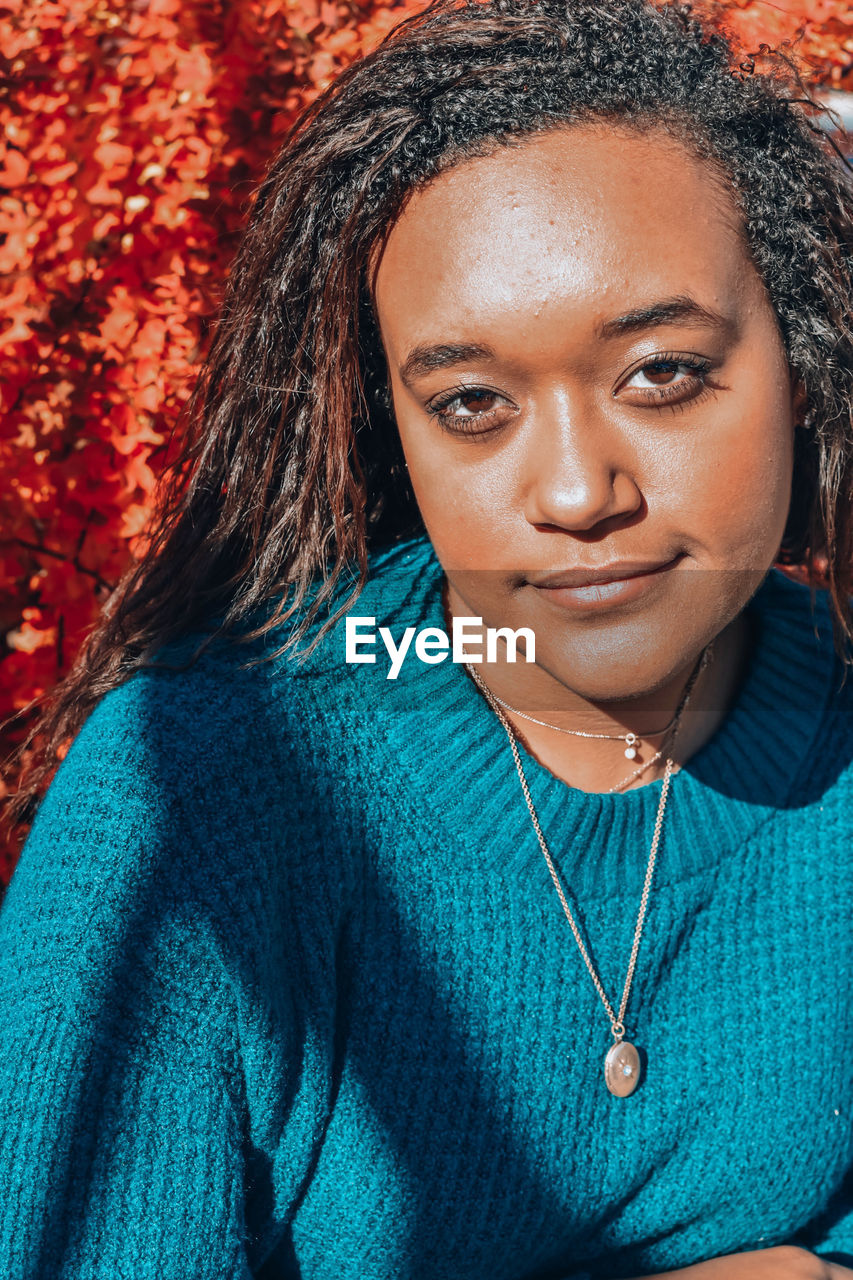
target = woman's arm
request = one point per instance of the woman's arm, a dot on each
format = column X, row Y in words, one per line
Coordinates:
column 120, row 1153
column 120, row 1093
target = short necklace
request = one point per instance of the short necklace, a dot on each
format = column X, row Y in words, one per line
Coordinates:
column 633, row 741
column 622, row 1065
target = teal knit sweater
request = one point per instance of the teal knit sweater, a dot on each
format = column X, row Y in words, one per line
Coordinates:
column 287, row 990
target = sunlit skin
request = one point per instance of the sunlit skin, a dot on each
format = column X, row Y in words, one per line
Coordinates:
column 588, row 375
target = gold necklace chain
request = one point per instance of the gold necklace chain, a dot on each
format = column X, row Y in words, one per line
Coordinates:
column 630, row 737
column 622, row 1064
column 635, row 773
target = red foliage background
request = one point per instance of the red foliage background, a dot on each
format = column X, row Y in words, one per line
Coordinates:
column 133, row 134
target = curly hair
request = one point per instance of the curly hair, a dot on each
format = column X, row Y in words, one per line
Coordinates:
column 292, row 468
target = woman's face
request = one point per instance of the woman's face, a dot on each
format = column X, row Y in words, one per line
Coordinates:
column 593, row 399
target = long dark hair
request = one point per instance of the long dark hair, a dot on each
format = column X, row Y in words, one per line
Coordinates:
column 292, row 467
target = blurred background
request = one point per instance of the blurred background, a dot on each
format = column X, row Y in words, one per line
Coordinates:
column 134, row 133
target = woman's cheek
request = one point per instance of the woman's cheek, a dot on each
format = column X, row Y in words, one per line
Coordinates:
column 727, row 487
column 753, row 500
column 467, row 534
column 466, row 511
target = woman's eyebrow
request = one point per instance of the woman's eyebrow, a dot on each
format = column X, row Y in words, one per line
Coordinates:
column 666, row 311
column 425, row 357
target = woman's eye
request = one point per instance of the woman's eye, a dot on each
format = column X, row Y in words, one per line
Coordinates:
column 469, row 403
column 669, row 379
column 470, row 410
column 662, row 373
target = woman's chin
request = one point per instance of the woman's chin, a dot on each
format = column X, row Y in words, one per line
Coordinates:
column 622, row 659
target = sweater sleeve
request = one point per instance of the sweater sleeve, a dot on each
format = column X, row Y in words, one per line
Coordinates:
column 151, row 1126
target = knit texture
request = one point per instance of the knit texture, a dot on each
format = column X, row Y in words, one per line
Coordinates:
column 287, row 990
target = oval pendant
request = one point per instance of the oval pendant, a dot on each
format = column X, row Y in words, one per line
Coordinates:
column 622, row 1069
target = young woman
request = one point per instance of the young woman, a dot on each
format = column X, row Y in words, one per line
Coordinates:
column 451, row 872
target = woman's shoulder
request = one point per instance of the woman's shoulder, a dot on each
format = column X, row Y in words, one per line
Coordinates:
column 208, row 688
column 210, row 715
column 208, row 762
column 189, row 714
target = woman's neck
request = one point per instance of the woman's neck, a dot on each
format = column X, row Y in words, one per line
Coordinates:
column 600, row 764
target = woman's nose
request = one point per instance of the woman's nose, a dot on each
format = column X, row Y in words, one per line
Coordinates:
column 579, row 471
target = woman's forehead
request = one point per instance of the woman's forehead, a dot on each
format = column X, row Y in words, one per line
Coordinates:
column 598, row 219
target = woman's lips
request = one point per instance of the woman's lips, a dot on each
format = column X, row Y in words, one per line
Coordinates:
column 594, row 589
